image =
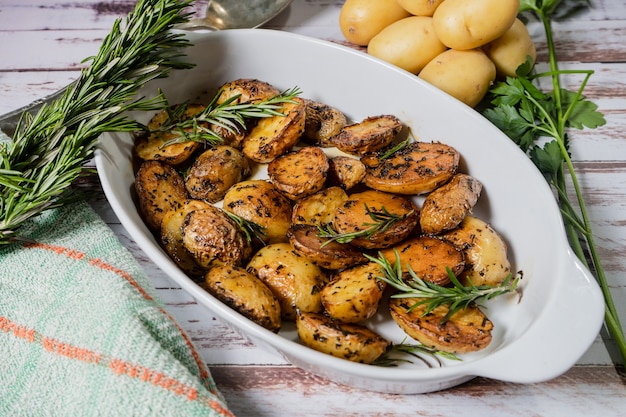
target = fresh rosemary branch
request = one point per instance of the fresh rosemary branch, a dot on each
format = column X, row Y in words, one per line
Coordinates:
column 382, row 221
column 456, row 297
column 251, row 229
column 538, row 122
column 49, row 148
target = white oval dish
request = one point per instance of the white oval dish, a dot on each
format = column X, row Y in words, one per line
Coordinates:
column 534, row 340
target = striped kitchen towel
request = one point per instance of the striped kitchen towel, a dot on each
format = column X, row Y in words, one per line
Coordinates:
column 83, row 333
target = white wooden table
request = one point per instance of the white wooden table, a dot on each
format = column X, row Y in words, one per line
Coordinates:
column 42, row 44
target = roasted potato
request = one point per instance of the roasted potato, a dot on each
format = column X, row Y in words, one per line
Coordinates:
column 248, row 90
column 214, row 171
column 214, row 239
column 244, row 293
column 167, row 146
column 293, row 279
column 366, row 213
column 275, row 135
column 417, row 168
column 260, row 202
column 369, row 135
column 318, row 209
column 428, row 257
column 322, row 123
column 444, row 208
column 306, row 240
column 353, row 342
column 467, row 330
column 160, row 188
column 354, row 294
column 299, row 173
column 485, row 252
column 346, row 172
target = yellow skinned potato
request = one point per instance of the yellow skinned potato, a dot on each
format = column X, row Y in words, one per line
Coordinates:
column 409, row 43
column 465, row 75
column 420, row 7
column 361, row 20
column 510, row 50
column 462, row 24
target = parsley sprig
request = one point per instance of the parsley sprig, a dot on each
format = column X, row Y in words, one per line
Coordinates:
column 539, row 121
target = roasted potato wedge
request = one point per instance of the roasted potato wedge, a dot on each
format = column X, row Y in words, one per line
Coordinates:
column 485, row 252
column 246, row 294
column 366, row 211
column 369, row 135
column 275, row 135
column 214, row 171
column 322, row 123
column 428, row 257
column 214, row 239
column 354, row 294
column 467, row 330
column 299, row 173
column 417, row 168
column 306, row 241
column 318, row 209
column 153, row 146
column 345, row 172
column 445, row 207
column 260, row 202
column 160, row 188
column 249, row 90
column 353, row 342
column 293, row 279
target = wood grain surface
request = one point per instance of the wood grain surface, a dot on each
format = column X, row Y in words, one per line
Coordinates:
column 42, row 47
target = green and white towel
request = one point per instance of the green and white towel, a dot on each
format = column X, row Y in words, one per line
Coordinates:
column 83, row 333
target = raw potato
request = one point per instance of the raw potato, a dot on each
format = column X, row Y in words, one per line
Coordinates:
column 322, row 123
column 418, row 168
column 354, row 294
column 369, row 135
column 260, row 202
column 293, row 279
column 214, row 171
column 445, row 208
column 485, row 252
column 409, row 43
column 160, row 188
column 346, row 172
column 319, row 208
column 463, row 25
column 353, row 342
column 465, row 75
column 361, row 20
column 299, row 173
column 510, row 50
column 420, row 7
column 246, row 294
column 467, row 330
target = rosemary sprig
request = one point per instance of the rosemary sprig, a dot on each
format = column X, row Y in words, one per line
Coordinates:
column 456, row 297
column 382, row 221
column 387, row 153
column 49, row 148
column 250, row 229
column 419, row 351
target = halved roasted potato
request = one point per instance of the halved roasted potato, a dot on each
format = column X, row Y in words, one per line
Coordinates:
column 346, row 172
column 369, row 135
column 248, row 90
column 318, row 209
column 322, row 123
column 299, row 173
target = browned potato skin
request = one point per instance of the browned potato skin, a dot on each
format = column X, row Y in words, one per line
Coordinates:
column 299, row 173
column 294, row 279
column 149, row 147
column 275, row 135
column 214, row 239
column 418, row 168
column 214, row 171
column 352, row 217
column 244, row 293
column 346, row 172
column 172, row 237
column 354, row 294
column 318, row 209
column 447, row 206
column 160, row 188
column 306, row 241
column 260, row 202
column 428, row 257
column 249, row 89
column 353, row 342
column 467, row 330
column 322, row 123
column 370, row 135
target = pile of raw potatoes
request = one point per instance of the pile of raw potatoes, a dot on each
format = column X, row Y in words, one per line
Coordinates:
column 459, row 46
